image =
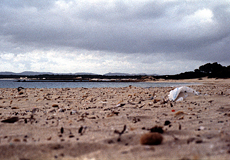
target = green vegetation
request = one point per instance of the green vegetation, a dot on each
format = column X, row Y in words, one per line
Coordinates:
column 210, row 70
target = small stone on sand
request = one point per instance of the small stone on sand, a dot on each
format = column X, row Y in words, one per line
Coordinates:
column 151, row 139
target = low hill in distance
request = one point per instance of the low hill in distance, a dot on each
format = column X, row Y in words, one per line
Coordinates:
column 29, row 73
column 211, row 70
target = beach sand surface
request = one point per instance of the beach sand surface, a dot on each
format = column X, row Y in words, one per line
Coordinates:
column 108, row 123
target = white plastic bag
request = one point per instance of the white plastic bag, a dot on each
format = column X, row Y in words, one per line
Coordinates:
column 173, row 95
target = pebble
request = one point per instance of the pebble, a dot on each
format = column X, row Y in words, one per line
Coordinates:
column 151, row 139
column 120, row 105
column 179, row 113
column 51, row 111
column 15, row 108
column 167, row 122
column 16, row 140
column 20, row 93
column 62, row 130
column 73, row 112
column 61, row 110
column 55, row 105
column 199, row 141
column 158, row 129
column 201, row 127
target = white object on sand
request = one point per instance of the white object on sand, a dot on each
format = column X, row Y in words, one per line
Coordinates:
column 174, row 94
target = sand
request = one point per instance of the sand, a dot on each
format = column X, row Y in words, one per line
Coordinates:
column 108, row 123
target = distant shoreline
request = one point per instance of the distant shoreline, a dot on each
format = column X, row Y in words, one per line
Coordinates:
column 92, row 84
column 99, row 80
column 105, row 80
column 189, row 82
column 192, row 80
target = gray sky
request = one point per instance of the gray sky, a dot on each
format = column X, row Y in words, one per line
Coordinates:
column 100, row 36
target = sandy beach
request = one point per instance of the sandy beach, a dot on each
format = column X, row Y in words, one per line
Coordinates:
column 109, row 123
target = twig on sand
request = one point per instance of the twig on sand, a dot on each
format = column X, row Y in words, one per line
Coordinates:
column 120, row 133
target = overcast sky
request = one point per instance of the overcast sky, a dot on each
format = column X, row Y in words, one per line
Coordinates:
column 100, row 36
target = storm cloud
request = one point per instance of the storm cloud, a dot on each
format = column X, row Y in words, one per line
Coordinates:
column 160, row 31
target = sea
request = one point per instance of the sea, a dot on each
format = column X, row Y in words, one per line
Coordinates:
column 12, row 83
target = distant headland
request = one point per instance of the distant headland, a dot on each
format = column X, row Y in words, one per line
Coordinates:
column 210, row 70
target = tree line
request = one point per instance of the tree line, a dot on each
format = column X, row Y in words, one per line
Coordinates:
column 210, row 70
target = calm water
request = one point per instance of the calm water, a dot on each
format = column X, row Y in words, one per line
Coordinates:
column 15, row 84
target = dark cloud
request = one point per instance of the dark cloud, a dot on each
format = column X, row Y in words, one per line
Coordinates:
column 196, row 30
